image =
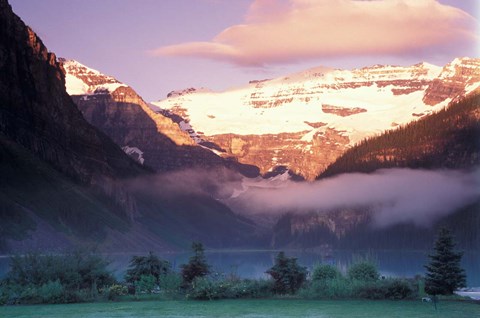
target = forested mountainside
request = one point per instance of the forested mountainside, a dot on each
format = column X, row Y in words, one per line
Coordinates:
column 447, row 139
column 353, row 229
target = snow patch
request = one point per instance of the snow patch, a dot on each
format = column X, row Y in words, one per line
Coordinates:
column 82, row 80
column 135, row 153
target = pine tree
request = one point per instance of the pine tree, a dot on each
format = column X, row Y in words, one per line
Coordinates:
column 149, row 265
column 287, row 274
column 197, row 265
column 444, row 274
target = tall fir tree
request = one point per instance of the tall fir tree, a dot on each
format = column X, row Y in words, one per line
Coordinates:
column 444, row 274
column 197, row 265
column 287, row 274
column 149, row 265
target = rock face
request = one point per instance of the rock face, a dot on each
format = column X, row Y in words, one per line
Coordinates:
column 306, row 120
column 38, row 114
column 54, row 164
column 63, row 182
column 121, row 113
column 457, row 79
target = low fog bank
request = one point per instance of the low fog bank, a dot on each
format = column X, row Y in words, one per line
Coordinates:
column 394, row 195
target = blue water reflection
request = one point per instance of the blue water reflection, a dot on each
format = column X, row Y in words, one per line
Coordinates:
column 253, row 264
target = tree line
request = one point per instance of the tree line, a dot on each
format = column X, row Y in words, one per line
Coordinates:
column 446, row 139
column 82, row 276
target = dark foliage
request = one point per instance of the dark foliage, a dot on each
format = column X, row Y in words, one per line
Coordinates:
column 393, row 289
column 287, row 274
column 447, row 139
column 444, row 273
column 205, row 289
column 197, row 265
column 149, row 265
column 324, row 272
column 59, row 278
column 363, row 271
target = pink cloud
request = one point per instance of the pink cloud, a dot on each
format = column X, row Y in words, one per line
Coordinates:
column 282, row 31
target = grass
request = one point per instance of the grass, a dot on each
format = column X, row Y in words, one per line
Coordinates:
column 247, row 308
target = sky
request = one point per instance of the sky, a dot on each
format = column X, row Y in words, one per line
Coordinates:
column 157, row 46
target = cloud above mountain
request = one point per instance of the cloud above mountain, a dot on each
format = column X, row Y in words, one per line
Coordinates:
column 285, row 31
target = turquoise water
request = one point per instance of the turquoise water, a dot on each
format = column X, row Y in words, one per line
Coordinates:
column 253, row 264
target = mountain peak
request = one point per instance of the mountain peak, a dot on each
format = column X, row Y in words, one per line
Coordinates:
column 320, row 112
column 82, row 80
column 188, row 91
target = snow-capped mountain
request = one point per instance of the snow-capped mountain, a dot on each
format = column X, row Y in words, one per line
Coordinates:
column 82, row 80
column 306, row 120
column 147, row 136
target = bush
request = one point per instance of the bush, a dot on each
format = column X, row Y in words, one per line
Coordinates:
column 401, row 289
column 393, row 289
column 324, row 272
column 52, row 292
column 146, row 265
column 205, row 289
column 115, row 291
column 287, row 274
column 58, row 278
column 145, row 285
column 170, row 285
column 363, row 271
column 337, row 288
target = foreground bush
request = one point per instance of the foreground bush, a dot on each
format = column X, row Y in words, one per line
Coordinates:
column 336, row 288
column 288, row 276
column 363, row 271
column 146, row 268
column 73, row 277
column 207, row 289
column 324, row 272
column 343, row 288
column 394, row 289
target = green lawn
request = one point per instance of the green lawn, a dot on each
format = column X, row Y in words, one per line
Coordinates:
column 247, row 308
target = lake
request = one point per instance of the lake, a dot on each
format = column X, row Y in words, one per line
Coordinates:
column 253, row 264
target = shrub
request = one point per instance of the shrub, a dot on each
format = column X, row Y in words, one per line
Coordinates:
column 146, row 265
column 401, row 289
column 52, row 292
column 323, row 272
column 115, row 291
column 253, row 288
column 336, row 288
column 170, row 284
column 145, row 285
column 57, row 278
column 363, row 271
column 205, row 289
column 393, row 289
column 287, row 274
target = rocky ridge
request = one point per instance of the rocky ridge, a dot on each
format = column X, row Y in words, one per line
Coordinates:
column 147, row 136
column 306, row 120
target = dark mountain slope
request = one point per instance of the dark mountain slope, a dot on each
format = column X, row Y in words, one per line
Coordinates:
column 63, row 182
column 37, row 113
column 448, row 139
column 126, row 118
